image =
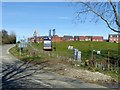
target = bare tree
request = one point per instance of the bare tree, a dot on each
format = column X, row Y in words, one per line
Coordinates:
column 105, row 11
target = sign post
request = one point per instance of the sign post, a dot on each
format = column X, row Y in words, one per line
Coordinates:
column 22, row 45
column 75, row 53
column 79, row 56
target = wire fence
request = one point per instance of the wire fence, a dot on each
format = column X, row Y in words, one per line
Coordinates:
column 106, row 60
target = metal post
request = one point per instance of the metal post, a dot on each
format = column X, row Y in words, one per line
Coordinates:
column 20, row 51
column 79, row 56
column 50, row 33
column 75, row 54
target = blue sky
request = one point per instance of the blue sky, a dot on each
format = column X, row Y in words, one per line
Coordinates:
column 25, row 17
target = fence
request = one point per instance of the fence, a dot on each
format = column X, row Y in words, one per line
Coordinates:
column 100, row 59
column 107, row 59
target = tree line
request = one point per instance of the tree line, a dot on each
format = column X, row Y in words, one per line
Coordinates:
column 7, row 38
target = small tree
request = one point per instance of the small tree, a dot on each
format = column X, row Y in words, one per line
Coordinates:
column 4, row 33
column 6, row 38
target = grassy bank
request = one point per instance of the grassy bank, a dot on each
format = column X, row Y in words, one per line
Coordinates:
column 62, row 53
column 86, row 49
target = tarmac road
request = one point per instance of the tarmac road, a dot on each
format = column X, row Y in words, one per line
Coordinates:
column 18, row 74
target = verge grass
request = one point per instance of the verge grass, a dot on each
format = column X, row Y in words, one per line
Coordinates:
column 62, row 51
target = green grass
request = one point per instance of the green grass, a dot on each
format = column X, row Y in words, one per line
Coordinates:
column 86, row 48
column 83, row 46
column 29, row 54
column 14, row 51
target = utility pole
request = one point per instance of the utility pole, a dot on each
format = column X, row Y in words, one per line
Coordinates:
column 50, row 33
column 54, row 38
column 20, row 45
column 53, row 32
column 91, row 53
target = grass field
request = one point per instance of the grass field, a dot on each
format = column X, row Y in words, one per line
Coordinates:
column 85, row 47
column 86, row 50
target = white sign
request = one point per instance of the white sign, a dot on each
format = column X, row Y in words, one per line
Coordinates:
column 98, row 52
column 70, row 47
column 79, row 55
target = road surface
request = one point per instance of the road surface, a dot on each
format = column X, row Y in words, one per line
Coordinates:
column 18, row 74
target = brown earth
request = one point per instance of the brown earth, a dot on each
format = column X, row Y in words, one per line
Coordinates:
column 71, row 69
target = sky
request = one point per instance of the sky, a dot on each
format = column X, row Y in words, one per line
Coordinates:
column 25, row 17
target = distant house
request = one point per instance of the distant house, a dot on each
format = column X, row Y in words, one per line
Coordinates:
column 38, row 39
column 105, row 40
column 76, row 38
column 56, row 38
column 31, row 39
column 114, row 38
column 81, row 38
column 88, row 38
column 97, row 38
column 68, row 38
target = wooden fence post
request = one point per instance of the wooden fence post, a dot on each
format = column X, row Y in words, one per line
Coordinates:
column 108, row 59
